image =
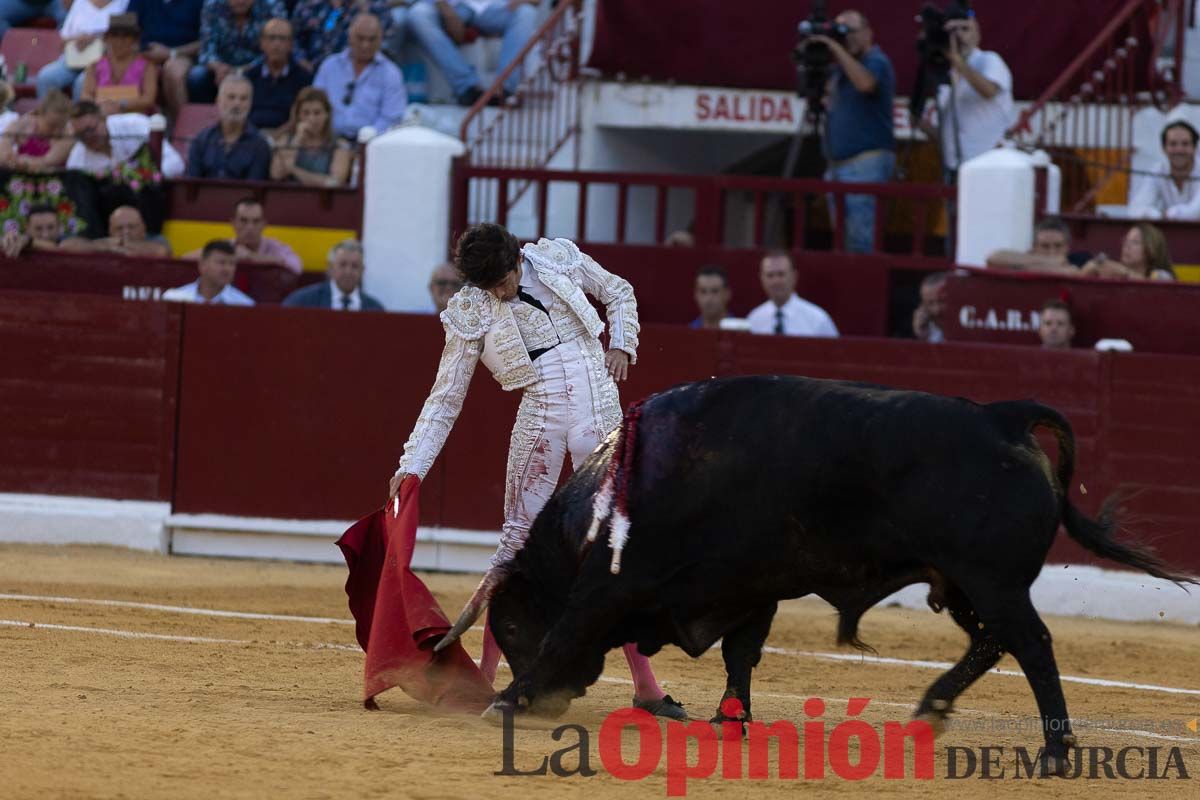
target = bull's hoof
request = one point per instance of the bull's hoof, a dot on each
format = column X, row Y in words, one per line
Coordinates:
column 936, row 714
column 1054, row 766
column 936, row 721
column 498, row 710
column 718, row 723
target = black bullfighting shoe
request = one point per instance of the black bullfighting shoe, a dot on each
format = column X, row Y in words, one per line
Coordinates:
column 665, row 707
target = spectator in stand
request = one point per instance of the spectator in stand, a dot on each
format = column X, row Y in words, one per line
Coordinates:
column 231, row 148
column 103, row 142
column 785, row 313
column 366, row 89
column 440, row 26
column 927, row 321
column 84, row 24
column 170, row 41
column 981, row 93
column 1173, row 192
column 1055, row 327
column 859, row 140
column 680, row 238
column 276, row 76
column 249, row 221
column 250, row 244
column 230, row 33
column 323, row 26
column 712, row 295
column 43, row 231
column 218, row 265
column 343, row 291
column 39, row 141
column 122, row 80
column 1144, row 257
column 7, row 115
column 444, row 283
column 306, row 150
column 127, row 235
column 1051, row 250
column 15, row 13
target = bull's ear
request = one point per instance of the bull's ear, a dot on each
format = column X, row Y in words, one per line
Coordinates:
column 487, row 587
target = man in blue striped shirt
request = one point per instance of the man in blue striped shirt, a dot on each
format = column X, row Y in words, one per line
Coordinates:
column 364, row 87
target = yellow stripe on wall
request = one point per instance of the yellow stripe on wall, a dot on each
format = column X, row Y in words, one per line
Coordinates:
column 1188, row 272
column 311, row 244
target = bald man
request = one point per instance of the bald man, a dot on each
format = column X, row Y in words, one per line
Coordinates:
column 126, row 234
column 366, row 89
column 277, row 76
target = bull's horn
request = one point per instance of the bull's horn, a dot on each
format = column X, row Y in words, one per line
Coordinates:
column 474, row 607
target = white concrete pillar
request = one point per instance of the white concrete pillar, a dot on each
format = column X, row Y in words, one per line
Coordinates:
column 406, row 214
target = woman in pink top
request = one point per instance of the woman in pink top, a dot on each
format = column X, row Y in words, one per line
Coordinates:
column 122, row 67
column 39, row 140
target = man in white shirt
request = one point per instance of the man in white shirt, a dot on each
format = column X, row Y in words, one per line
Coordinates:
column 218, row 264
column 784, row 312
column 105, row 142
column 1173, row 192
column 976, row 108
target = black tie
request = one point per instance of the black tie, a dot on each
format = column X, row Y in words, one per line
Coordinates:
column 533, row 301
column 778, row 320
column 345, row 302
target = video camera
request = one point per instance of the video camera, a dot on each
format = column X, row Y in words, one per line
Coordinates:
column 813, row 59
column 933, row 47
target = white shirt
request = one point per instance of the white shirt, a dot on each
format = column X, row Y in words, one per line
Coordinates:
column 981, row 122
column 335, row 298
column 7, row 117
column 1157, row 195
column 190, row 293
column 800, row 318
column 85, row 18
column 127, row 133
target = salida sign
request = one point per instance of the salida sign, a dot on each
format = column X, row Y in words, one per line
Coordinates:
column 740, row 107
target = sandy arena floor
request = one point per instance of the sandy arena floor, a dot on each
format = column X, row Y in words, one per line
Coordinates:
column 124, row 700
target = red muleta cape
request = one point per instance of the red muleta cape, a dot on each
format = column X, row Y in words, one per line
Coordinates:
column 398, row 621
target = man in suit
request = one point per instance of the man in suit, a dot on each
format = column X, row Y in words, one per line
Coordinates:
column 343, row 291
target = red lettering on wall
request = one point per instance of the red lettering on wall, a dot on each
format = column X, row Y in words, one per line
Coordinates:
column 703, row 106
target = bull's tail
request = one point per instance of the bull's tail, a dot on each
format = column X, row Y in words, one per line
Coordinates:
column 1097, row 535
column 611, row 497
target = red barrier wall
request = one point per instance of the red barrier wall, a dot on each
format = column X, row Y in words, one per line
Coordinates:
column 131, row 278
column 87, row 396
column 1002, row 307
column 301, row 413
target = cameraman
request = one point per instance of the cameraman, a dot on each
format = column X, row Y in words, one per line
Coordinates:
column 976, row 107
column 860, row 142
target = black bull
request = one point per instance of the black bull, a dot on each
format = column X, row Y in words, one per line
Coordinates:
column 745, row 491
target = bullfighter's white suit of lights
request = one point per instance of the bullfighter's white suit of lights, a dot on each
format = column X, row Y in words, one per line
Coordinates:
column 569, row 402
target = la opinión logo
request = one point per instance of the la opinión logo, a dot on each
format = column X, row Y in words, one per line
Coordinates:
column 736, row 757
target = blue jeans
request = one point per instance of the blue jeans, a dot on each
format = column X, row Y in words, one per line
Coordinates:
column 15, row 13
column 876, row 167
column 397, row 34
column 57, row 75
column 513, row 26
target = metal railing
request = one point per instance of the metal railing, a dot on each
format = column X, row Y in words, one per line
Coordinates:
column 542, row 115
column 1085, row 117
column 730, row 211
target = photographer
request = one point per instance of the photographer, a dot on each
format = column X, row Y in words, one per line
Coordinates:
column 976, row 107
column 859, row 139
